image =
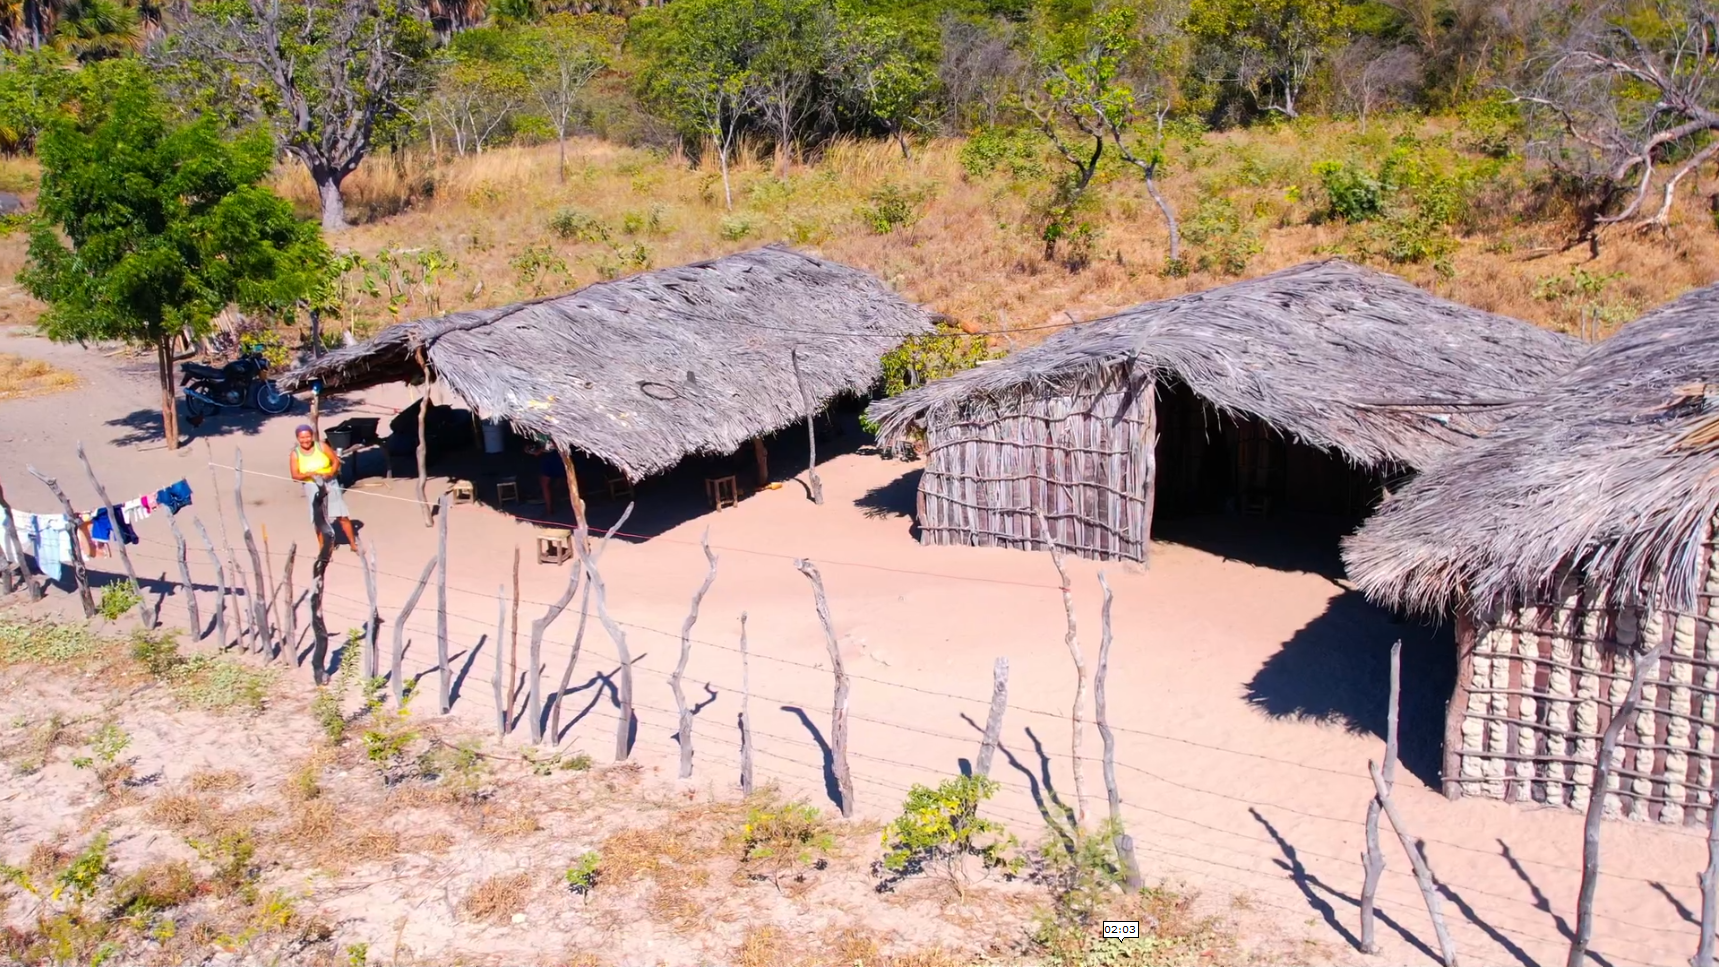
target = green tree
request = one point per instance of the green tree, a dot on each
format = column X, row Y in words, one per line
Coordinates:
column 884, row 74
column 791, row 54
column 167, row 225
column 481, row 83
column 326, row 73
column 561, row 57
column 698, row 70
column 34, row 87
column 1269, row 49
column 97, row 29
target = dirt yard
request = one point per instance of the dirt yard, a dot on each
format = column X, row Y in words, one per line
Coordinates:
column 1247, row 689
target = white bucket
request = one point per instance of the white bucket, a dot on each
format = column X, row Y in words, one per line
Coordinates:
column 494, row 437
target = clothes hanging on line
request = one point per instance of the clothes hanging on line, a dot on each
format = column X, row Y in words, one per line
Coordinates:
column 175, row 496
column 101, row 529
column 46, row 537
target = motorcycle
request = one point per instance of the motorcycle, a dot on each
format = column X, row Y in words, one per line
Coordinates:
column 242, row 382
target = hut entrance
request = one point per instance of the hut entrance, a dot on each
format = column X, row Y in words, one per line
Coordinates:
column 1211, row 462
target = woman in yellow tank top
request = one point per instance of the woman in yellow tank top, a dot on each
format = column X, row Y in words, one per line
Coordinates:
column 316, row 465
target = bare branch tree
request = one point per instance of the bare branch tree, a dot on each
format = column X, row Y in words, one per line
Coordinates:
column 1072, row 640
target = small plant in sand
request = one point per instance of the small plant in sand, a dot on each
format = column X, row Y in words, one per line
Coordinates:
column 559, row 762
column 116, row 600
column 157, row 652
column 389, row 735
column 1082, row 873
column 459, row 768
column 105, row 748
column 327, row 707
column 782, row 840
column 582, row 875
column 233, row 854
column 940, row 829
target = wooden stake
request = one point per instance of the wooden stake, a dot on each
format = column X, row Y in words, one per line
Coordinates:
column 994, row 721
column 194, row 623
column 572, row 659
column 1073, row 642
column 839, row 705
column 513, row 649
column 1423, row 873
column 373, row 624
column 289, row 608
column 746, row 778
column 34, row 586
column 685, row 653
column 499, row 685
column 220, row 584
column 574, row 497
column 423, row 444
column 624, row 725
column 395, row 672
column 762, row 456
column 1373, row 860
column 78, row 570
column 1124, row 842
column 241, row 629
column 259, row 608
column 318, row 628
column 813, row 484
column 534, row 674
column 444, row 674
column 1709, row 886
column 144, row 608
column 1624, row 714
column 269, row 575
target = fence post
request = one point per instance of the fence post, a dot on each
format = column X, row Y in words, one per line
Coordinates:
column 118, row 543
column 1709, row 885
column 994, row 721
column 839, row 705
column 193, row 621
column 685, row 735
column 1625, row 713
column 572, row 660
column 499, row 685
column 395, row 672
column 259, row 606
column 78, row 570
column 745, row 712
column 30, row 582
column 1071, row 639
column 513, row 649
column 372, row 625
column 220, row 583
column 588, row 559
column 1423, row 873
column 1373, row 861
column 423, row 445
column 444, row 674
column 289, row 607
column 1124, row 842
column 318, row 629
column 813, row 484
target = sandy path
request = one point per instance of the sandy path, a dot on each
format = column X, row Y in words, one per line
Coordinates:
column 1261, row 813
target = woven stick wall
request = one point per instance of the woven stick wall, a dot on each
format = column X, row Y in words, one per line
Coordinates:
column 1537, row 687
column 1082, row 456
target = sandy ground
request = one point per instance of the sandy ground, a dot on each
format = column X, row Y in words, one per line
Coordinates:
column 1246, row 696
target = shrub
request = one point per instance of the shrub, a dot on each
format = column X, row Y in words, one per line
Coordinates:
column 733, row 228
column 116, row 600
column 221, row 683
column 158, row 653
column 1351, row 193
column 780, row 839
column 583, row 874
column 575, row 225
column 938, row 829
column 1017, row 150
column 153, row 889
column 536, row 266
column 891, row 207
column 105, row 748
column 233, row 855
column 1228, row 244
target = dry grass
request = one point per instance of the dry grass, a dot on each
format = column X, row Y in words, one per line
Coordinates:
column 181, row 811
column 214, row 780
column 21, row 377
column 498, row 898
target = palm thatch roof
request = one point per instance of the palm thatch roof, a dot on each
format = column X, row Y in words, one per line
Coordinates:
column 646, row 370
column 1340, row 356
column 1612, row 475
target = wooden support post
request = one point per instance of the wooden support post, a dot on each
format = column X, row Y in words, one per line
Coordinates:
column 1423, row 873
column 289, row 621
column 1709, row 886
column 761, row 455
column 444, row 674
column 274, row 592
column 572, row 659
column 373, row 624
column 144, row 608
column 1624, row 715
column 1456, row 709
column 685, row 735
column 839, row 704
column 220, row 584
column 746, row 777
column 534, row 674
column 1373, row 860
column 626, row 722
column 241, row 629
column 259, row 607
column 1124, row 842
column 318, row 628
column 994, row 721
column 30, row 582
column 497, row 683
column 423, row 443
column 79, row 572
column 192, row 621
column 1072, row 640
column 813, row 484
column 574, row 497
column 513, row 649
column 395, row 672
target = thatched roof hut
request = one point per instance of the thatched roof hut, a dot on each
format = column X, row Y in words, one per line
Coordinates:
column 644, row 371
column 1577, row 535
column 1331, row 355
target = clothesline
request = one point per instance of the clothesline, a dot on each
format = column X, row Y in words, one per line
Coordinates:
column 48, row 537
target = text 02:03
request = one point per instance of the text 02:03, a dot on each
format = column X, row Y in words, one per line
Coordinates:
column 1121, row 929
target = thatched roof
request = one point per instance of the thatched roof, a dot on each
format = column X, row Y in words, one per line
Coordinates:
column 1611, row 474
column 1337, row 355
column 646, row 370
column 1331, row 352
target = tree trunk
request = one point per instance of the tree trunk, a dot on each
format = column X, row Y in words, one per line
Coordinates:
column 1169, row 215
column 900, row 134
column 722, row 162
column 333, row 206
column 561, row 159
column 169, row 406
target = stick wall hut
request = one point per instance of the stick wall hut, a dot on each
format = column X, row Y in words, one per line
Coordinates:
column 1570, row 542
column 644, row 371
column 1325, row 378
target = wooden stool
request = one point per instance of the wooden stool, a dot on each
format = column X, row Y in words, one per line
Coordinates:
column 620, row 487
column 722, row 492
column 507, row 490
column 554, row 545
column 462, row 492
